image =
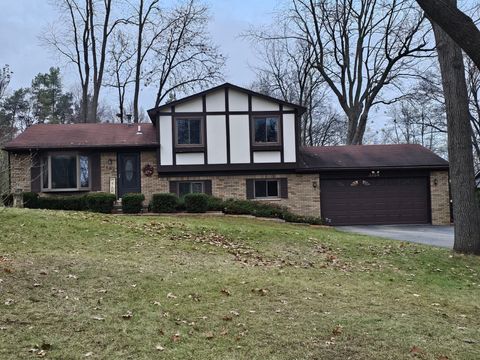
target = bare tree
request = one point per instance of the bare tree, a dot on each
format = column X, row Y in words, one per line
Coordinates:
column 465, row 207
column 286, row 72
column 121, row 69
column 184, row 58
column 81, row 37
column 360, row 48
column 414, row 121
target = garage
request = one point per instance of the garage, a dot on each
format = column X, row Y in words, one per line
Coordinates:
column 379, row 184
column 373, row 201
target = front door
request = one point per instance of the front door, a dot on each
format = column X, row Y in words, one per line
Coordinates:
column 128, row 173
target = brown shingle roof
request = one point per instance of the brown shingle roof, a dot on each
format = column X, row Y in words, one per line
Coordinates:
column 369, row 156
column 61, row 136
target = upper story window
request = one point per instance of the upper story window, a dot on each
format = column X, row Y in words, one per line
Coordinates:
column 266, row 130
column 65, row 171
column 188, row 131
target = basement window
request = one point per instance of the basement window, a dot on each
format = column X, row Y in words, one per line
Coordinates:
column 266, row 189
column 190, row 187
column 65, row 172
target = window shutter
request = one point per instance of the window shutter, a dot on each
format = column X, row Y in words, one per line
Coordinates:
column 96, row 168
column 207, row 187
column 250, row 189
column 284, row 188
column 173, row 187
column 35, row 174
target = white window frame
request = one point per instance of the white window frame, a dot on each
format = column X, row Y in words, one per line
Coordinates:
column 266, row 197
column 49, row 167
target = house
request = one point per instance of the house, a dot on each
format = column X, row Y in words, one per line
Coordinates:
column 235, row 143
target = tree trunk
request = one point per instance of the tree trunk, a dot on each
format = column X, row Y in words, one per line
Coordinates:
column 455, row 23
column 465, row 208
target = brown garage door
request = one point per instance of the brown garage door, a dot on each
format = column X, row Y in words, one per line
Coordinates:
column 375, row 201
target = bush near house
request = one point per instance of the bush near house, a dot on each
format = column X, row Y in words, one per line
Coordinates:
column 196, row 203
column 164, row 203
column 132, row 203
column 100, row 202
column 96, row 202
column 6, row 199
column 215, row 204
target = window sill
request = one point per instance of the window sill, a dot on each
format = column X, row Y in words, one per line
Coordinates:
column 64, row 190
column 273, row 147
column 267, row 199
column 189, row 149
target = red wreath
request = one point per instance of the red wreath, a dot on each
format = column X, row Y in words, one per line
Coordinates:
column 148, row 170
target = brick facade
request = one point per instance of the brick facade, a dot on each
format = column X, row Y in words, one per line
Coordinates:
column 303, row 197
column 20, row 178
column 440, row 199
column 303, row 189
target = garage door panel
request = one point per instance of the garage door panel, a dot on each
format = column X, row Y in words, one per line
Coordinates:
column 375, row 200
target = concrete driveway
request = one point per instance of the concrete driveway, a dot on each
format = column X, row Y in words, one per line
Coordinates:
column 423, row 234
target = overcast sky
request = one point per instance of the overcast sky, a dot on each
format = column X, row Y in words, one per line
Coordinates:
column 23, row 21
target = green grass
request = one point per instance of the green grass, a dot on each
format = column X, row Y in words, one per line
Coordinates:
column 226, row 288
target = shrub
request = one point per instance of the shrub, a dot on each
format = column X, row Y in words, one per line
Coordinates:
column 132, row 203
column 6, row 199
column 70, row 202
column 247, row 207
column 164, row 203
column 30, row 200
column 215, row 204
column 100, row 202
column 196, row 203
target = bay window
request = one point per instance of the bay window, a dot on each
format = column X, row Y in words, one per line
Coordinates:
column 65, row 172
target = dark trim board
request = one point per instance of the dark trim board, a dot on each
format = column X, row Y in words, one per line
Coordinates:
column 155, row 111
column 227, row 123
column 227, row 169
column 259, row 113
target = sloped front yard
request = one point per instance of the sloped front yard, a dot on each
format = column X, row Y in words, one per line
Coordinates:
column 81, row 285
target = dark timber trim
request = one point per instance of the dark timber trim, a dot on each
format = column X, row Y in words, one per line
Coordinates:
column 260, row 113
column 280, row 135
column 174, row 136
column 155, row 111
column 228, row 168
column 205, row 142
column 250, row 119
column 227, row 123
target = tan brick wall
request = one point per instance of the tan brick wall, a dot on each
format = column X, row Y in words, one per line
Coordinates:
column 303, row 197
column 151, row 184
column 108, row 164
column 20, row 165
column 440, row 200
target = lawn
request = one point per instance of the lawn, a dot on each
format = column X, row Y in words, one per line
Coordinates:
column 81, row 285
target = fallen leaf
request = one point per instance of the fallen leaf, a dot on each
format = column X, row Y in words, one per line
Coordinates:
column 171, row 296
column 128, row 315
column 71, row 276
column 88, row 354
column 98, row 318
column 209, row 335
column 469, row 341
column 227, row 318
column 159, row 348
column 156, row 303
column 225, row 292
column 9, row 302
column 175, row 337
column 236, row 313
column 416, row 351
column 443, row 357
column 337, row 330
